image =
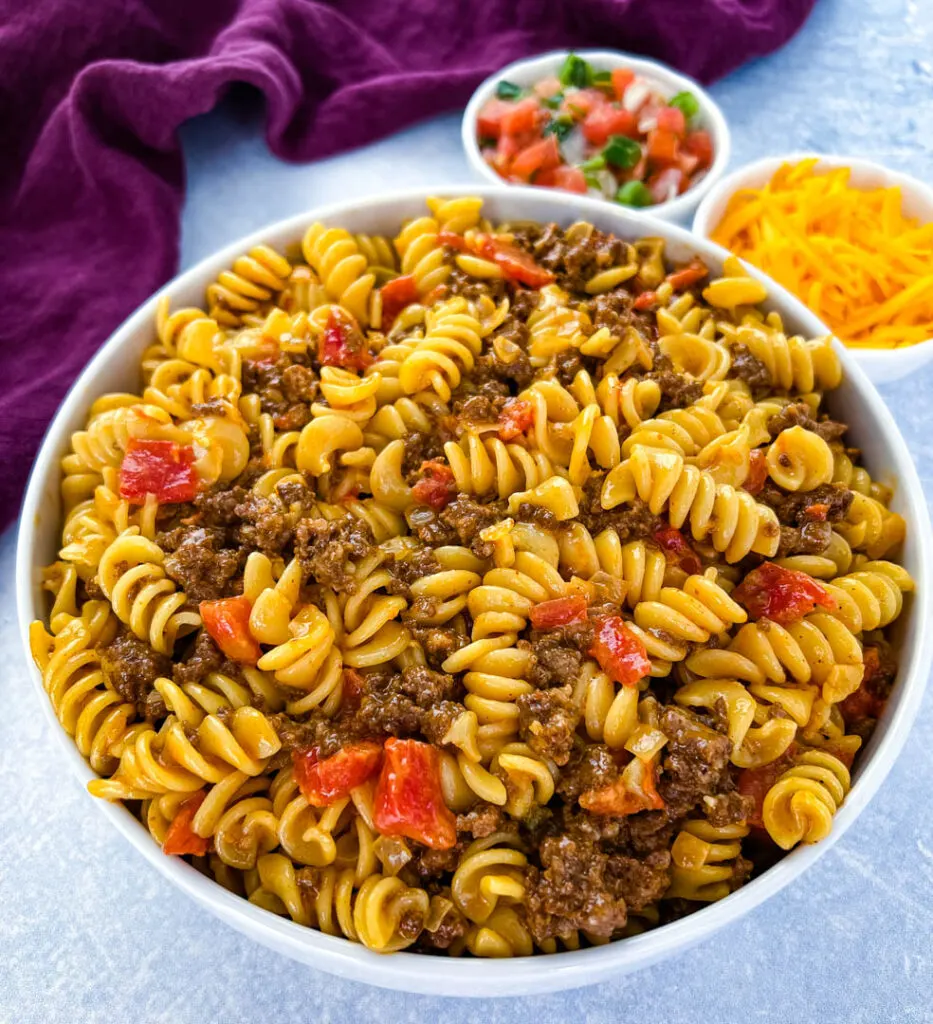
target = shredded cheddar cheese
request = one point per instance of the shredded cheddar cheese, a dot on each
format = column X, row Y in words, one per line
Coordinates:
column 850, row 254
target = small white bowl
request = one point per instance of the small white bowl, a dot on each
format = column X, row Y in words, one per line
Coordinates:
column 667, row 81
column 881, row 364
column 115, row 367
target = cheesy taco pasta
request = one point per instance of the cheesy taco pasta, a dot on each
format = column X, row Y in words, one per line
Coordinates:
column 489, row 589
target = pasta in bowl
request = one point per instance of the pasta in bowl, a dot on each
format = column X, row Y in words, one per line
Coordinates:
column 493, row 582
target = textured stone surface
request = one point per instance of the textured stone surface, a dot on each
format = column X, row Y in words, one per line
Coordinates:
column 88, row 933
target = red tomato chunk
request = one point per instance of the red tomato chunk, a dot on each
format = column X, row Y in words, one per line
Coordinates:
column 180, row 838
column 543, row 155
column 396, row 295
column 517, row 416
column 677, row 550
column 227, row 622
column 757, row 472
column 437, row 487
column 621, row 655
column 617, row 798
column 336, row 348
column 516, row 264
column 688, row 276
column 560, row 611
column 325, row 782
column 162, row 468
column 781, row 595
column 409, row 801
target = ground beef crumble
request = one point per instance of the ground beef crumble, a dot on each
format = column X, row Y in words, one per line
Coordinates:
column 327, row 549
column 130, row 667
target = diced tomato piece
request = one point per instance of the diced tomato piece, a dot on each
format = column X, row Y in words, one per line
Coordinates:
column 543, row 155
column 621, row 655
column 437, row 487
column 700, row 145
column 227, row 622
column 324, row 782
column 677, row 550
column 580, row 103
column 818, row 511
column 755, row 782
column 516, row 264
column 506, row 148
column 409, row 801
column 489, row 122
column 622, row 797
column 558, row 612
column 342, row 343
column 180, row 838
column 606, row 120
column 757, row 472
column 645, row 301
column 547, row 87
column 516, row 417
column 688, row 276
column 622, row 78
column 570, row 179
column 352, row 688
column 162, row 468
column 671, row 119
column 452, row 239
column 687, row 163
column 396, row 295
column 666, row 184
column 524, row 116
column 781, row 595
column 663, row 148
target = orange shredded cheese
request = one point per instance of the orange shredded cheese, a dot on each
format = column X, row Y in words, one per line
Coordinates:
column 850, row 254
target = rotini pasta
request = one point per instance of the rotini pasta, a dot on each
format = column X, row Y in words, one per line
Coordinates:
column 419, row 564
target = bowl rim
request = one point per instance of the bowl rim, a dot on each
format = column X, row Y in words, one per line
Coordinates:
column 664, row 75
column 413, row 972
column 759, row 171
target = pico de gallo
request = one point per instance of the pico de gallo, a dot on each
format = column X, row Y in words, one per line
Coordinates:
column 603, row 133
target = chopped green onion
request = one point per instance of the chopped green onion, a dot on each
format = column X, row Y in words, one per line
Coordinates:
column 686, row 102
column 595, row 163
column 576, row 72
column 559, row 126
column 508, row 90
column 592, row 182
column 602, row 79
column 553, row 102
column 621, row 151
column 634, row 193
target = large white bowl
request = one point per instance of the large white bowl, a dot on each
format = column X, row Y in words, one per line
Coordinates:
column 667, row 81
column 881, row 364
column 115, row 368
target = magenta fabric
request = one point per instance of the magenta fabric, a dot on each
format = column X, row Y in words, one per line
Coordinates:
column 92, row 93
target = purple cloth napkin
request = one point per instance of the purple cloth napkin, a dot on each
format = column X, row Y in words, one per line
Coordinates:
column 91, row 96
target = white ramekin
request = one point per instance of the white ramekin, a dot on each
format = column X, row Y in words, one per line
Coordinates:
column 881, row 364
column 666, row 80
column 116, row 368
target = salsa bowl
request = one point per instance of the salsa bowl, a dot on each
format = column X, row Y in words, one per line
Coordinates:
column 660, row 77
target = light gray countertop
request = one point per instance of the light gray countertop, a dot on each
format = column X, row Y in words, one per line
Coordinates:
column 88, row 933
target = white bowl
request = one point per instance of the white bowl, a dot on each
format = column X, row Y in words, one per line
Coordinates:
column 115, row 368
column 881, row 364
column 667, row 81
